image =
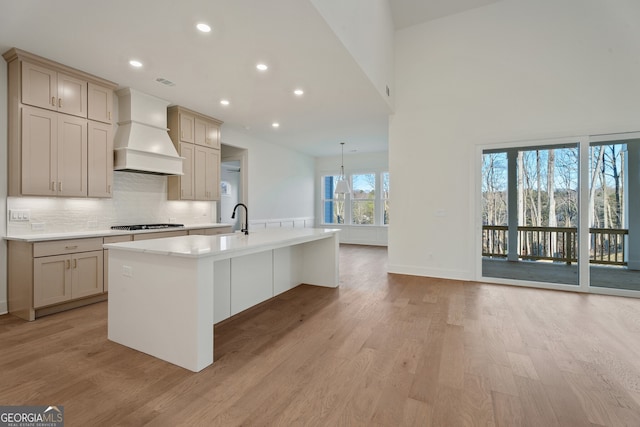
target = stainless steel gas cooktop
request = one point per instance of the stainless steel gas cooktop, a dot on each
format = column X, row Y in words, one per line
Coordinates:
column 145, row 226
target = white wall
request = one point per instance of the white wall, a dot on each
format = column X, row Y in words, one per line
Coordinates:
column 280, row 179
column 365, row 27
column 509, row 71
column 3, row 186
column 354, row 163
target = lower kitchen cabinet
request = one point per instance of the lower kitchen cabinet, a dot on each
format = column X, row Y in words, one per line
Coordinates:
column 51, row 276
column 60, row 278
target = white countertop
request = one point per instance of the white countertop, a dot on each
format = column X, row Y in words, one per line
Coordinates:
column 104, row 233
column 225, row 246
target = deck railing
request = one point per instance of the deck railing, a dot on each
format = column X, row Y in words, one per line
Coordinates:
column 560, row 244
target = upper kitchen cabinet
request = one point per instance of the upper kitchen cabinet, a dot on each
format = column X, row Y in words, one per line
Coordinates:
column 54, row 154
column 56, row 146
column 100, row 103
column 188, row 126
column 47, row 88
column 197, row 139
column 100, row 160
column 207, row 133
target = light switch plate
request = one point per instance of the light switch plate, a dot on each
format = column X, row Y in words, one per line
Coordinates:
column 19, row 215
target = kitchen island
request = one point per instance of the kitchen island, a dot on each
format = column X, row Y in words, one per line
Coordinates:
column 166, row 294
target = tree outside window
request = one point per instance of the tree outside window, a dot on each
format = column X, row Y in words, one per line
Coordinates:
column 363, row 198
column 385, row 197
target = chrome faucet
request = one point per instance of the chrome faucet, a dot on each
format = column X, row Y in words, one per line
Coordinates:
column 245, row 230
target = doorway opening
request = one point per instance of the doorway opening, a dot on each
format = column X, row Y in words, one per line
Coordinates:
column 233, row 183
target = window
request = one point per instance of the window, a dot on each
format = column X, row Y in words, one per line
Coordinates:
column 367, row 204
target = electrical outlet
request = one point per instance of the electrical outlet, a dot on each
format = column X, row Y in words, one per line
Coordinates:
column 92, row 224
column 127, row 271
column 172, row 220
column 37, row 226
column 19, row 215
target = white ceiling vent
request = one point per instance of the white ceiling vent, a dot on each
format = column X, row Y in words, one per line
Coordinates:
column 165, row 81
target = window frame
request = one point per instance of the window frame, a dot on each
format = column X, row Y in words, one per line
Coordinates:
column 378, row 200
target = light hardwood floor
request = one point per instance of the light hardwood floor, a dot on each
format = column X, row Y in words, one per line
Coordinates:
column 382, row 349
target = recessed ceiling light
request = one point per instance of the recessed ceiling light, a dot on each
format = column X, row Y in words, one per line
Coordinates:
column 262, row 67
column 224, row 101
column 298, row 92
column 135, row 63
column 275, row 124
column 203, row 27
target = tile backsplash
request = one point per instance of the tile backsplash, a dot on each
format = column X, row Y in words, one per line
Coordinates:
column 137, row 199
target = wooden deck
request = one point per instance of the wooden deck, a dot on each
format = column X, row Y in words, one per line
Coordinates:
column 381, row 350
column 614, row 277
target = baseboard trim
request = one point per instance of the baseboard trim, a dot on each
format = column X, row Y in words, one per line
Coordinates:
column 440, row 273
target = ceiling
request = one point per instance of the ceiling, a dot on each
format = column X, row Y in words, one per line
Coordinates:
column 411, row 12
column 339, row 103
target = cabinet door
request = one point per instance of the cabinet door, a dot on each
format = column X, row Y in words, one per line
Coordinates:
column 51, row 280
column 200, row 131
column 72, row 95
column 213, row 135
column 99, row 103
column 186, row 180
column 207, row 174
column 100, row 160
column 199, row 174
column 39, row 152
column 72, row 156
column 187, row 123
column 212, row 174
column 251, row 280
column 39, row 86
column 87, row 274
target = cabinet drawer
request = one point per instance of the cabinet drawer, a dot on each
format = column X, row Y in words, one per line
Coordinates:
column 118, row 239
column 60, row 247
column 159, row 235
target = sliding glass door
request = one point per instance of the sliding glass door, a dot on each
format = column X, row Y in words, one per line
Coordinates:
column 565, row 214
column 530, row 214
column 614, row 214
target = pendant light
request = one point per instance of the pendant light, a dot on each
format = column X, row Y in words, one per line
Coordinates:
column 342, row 186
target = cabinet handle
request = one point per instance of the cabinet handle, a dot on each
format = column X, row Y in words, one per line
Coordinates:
column 109, row 188
column 59, row 185
column 109, row 114
column 71, row 247
column 68, row 264
column 59, row 102
column 75, row 263
column 52, row 187
column 53, row 101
